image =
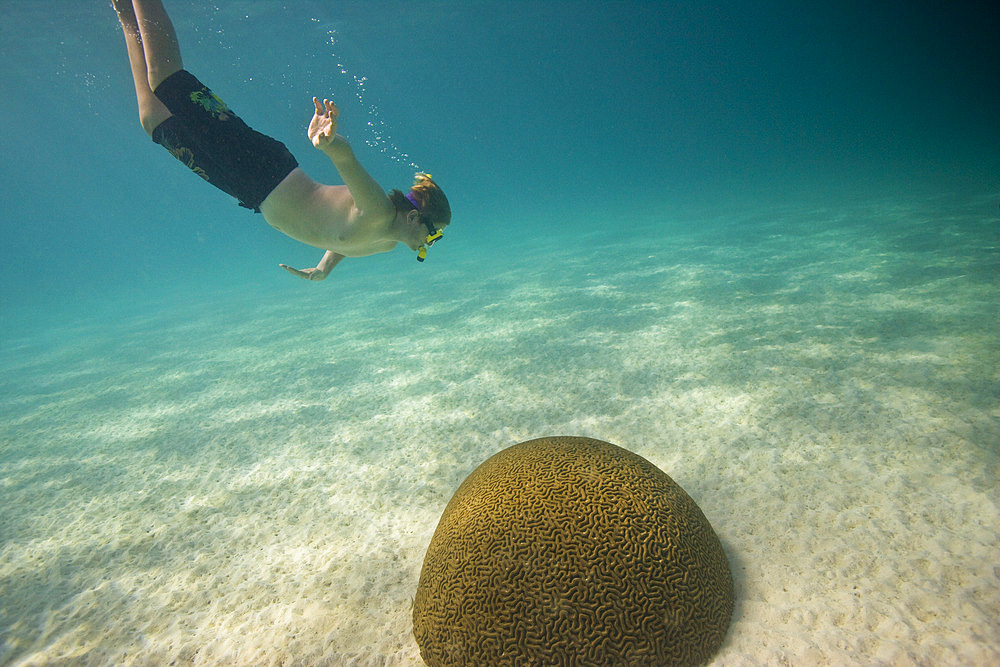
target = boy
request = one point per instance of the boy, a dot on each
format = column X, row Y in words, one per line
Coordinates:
column 189, row 120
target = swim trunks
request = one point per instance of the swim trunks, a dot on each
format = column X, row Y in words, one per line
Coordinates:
column 216, row 144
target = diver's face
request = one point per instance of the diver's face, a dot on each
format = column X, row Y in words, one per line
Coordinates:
column 426, row 235
column 421, row 232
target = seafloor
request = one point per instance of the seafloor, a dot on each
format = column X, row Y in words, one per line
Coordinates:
column 249, row 478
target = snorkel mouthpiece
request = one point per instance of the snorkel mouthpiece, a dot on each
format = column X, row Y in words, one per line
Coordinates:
column 428, row 242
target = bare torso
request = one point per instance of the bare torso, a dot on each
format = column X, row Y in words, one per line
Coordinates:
column 325, row 216
column 350, row 220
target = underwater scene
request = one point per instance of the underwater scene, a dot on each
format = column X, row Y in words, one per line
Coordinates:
column 757, row 244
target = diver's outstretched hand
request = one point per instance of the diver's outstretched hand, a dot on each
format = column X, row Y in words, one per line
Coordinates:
column 307, row 274
column 320, row 271
column 323, row 127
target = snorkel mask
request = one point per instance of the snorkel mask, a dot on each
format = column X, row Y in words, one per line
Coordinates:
column 432, row 233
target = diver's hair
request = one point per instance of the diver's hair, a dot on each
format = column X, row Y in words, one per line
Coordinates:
column 433, row 204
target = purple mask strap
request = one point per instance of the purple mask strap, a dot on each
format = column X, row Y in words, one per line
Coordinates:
column 413, row 200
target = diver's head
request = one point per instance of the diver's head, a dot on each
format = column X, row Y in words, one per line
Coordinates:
column 426, row 210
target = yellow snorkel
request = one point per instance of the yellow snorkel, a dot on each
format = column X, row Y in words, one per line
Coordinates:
column 432, row 233
column 428, row 242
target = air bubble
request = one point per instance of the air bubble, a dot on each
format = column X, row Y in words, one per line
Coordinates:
column 379, row 134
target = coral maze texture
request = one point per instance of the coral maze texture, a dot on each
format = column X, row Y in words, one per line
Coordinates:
column 572, row 550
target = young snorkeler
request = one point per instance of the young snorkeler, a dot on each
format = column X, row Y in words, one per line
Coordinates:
column 187, row 119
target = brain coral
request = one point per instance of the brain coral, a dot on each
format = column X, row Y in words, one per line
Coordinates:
column 562, row 551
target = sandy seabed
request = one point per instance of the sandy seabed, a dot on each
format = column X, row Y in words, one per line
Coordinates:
column 254, row 480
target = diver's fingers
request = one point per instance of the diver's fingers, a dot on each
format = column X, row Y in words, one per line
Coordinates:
column 319, row 109
column 294, row 272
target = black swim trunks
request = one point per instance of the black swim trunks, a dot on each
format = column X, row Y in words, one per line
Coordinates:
column 216, row 144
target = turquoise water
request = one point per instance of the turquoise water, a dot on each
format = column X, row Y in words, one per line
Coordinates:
column 758, row 247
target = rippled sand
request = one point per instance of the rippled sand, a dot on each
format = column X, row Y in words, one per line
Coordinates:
column 253, row 479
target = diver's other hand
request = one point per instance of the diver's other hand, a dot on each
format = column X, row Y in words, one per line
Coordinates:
column 323, row 126
column 306, row 274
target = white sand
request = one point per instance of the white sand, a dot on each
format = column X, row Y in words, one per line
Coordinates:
column 255, row 483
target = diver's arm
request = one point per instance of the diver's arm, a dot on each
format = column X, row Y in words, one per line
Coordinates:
column 322, row 270
column 369, row 197
column 330, row 260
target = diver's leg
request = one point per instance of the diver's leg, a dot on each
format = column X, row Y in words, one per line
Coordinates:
column 159, row 41
column 152, row 112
